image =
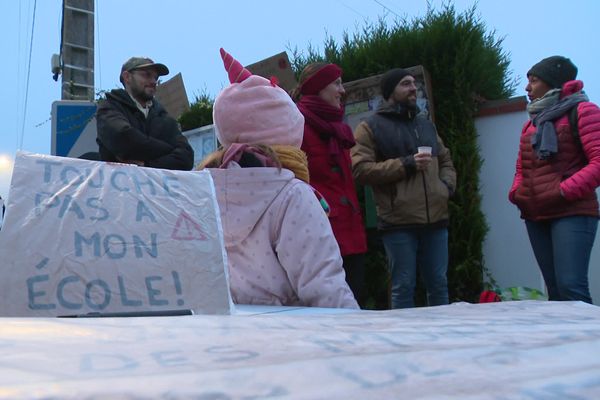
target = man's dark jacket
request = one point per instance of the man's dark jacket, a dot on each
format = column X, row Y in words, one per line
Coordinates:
column 125, row 134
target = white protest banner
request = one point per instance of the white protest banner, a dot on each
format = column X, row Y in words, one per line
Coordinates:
column 84, row 237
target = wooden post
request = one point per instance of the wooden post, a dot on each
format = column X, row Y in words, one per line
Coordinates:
column 77, row 50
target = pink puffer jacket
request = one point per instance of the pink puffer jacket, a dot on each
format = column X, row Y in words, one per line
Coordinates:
column 280, row 247
column 565, row 184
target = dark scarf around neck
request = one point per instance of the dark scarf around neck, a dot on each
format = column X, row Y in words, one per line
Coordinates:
column 328, row 122
column 545, row 141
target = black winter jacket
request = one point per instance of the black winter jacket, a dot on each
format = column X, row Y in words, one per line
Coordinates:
column 125, row 134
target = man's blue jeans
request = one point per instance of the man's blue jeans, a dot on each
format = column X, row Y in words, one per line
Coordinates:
column 426, row 248
column 562, row 248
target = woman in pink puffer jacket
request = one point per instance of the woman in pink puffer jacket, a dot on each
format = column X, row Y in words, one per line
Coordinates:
column 557, row 173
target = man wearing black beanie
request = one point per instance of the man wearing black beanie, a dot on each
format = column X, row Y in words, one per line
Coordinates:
column 390, row 79
column 400, row 155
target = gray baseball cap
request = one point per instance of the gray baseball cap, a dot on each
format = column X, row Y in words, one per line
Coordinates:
column 144, row 63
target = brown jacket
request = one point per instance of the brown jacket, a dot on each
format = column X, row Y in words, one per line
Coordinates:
column 404, row 197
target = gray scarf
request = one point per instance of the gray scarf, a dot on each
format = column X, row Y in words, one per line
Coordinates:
column 543, row 112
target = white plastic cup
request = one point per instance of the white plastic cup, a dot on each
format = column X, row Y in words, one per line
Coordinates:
column 424, row 149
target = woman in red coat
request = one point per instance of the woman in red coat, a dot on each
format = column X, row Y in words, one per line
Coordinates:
column 327, row 142
column 557, row 173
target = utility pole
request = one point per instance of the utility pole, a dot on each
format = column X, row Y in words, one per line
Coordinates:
column 77, row 50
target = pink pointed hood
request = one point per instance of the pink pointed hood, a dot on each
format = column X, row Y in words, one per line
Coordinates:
column 254, row 110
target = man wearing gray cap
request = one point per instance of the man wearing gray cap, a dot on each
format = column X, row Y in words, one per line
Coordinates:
column 134, row 128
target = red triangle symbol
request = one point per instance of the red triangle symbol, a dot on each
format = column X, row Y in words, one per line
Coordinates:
column 187, row 229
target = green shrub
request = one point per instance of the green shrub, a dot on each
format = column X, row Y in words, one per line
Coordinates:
column 199, row 114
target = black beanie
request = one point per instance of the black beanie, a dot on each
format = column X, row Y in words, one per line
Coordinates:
column 390, row 79
column 555, row 71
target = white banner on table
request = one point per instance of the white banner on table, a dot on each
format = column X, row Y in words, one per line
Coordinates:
column 84, row 236
column 506, row 350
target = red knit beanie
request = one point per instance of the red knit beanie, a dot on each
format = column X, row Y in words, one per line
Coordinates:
column 320, row 79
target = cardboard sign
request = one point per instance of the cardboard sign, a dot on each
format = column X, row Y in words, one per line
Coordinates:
column 85, row 236
column 173, row 97
column 278, row 66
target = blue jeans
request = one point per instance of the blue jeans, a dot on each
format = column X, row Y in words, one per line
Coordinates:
column 562, row 249
column 426, row 248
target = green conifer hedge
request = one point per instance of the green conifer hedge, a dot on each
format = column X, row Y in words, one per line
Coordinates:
column 199, row 114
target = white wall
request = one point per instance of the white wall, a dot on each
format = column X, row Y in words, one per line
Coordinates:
column 203, row 140
column 507, row 252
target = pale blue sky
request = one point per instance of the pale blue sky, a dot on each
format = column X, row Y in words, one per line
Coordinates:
column 186, row 36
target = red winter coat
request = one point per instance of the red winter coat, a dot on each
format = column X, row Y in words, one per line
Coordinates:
column 335, row 183
column 537, row 185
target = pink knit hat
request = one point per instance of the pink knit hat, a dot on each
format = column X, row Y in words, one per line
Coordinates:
column 254, row 110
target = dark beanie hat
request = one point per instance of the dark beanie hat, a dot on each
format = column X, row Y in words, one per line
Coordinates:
column 390, row 79
column 555, row 71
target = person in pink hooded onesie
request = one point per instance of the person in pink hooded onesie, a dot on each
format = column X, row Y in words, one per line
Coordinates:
column 280, row 246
